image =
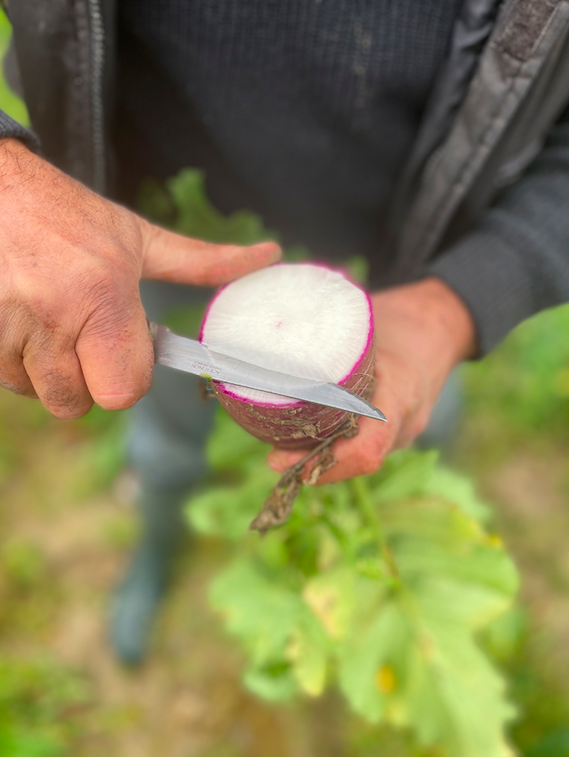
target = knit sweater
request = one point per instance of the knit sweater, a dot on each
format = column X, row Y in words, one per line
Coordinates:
column 303, row 110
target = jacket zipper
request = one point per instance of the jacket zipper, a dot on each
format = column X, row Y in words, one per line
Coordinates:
column 97, row 109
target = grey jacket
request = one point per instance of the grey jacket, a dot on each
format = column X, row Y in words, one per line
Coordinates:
column 483, row 202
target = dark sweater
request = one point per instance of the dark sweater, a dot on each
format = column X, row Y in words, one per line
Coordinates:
column 303, row 110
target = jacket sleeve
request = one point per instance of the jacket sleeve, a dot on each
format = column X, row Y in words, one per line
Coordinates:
column 11, row 128
column 515, row 261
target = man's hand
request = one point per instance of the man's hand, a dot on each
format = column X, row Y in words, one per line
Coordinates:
column 72, row 327
column 422, row 332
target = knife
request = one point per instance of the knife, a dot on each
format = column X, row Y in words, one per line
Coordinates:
column 188, row 355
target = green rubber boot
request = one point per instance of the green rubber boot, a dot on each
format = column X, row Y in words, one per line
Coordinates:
column 137, row 600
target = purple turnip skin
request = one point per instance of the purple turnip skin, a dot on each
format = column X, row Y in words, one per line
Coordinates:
column 298, row 425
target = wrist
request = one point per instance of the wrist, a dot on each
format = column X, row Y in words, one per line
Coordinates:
column 449, row 313
column 428, row 317
column 15, row 159
column 12, row 145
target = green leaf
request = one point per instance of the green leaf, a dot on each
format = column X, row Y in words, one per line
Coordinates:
column 231, row 448
column 263, row 615
column 275, row 683
column 404, row 474
column 554, row 744
column 433, row 540
column 454, row 696
column 198, row 218
column 16, row 742
column 331, row 597
column 386, row 582
column 456, row 489
column 413, row 667
column 505, row 634
column 227, row 511
column 185, row 320
column 370, row 651
column 308, row 652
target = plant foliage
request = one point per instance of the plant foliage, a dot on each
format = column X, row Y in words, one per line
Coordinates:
column 37, row 698
column 379, row 585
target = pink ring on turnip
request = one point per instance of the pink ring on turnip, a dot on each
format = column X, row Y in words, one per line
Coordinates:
column 302, row 319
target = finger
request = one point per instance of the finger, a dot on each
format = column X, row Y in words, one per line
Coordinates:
column 55, row 373
column 173, row 257
column 364, row 453
column 13, row 376
column 357, row 456
column 116, row 356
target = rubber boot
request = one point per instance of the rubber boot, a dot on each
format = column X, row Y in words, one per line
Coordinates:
column 137, row 600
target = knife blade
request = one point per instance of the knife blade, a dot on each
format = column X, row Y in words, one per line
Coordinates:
column 191, row 356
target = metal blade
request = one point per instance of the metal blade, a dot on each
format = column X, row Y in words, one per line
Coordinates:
column 189, row 355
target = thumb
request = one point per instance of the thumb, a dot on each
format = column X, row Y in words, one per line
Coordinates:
column 173, row 257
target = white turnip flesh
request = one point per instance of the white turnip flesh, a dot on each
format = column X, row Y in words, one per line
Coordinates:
column 303, row 319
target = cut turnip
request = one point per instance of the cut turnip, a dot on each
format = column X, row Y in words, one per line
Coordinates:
column 305, row 320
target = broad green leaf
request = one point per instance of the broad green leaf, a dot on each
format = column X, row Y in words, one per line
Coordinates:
column 331, row 597
column 231, row 448
column 228, row 510
column 468, row 563
column 403, row 474
column 308, row 652
column 554, row 744
column 457, row 489
column 364, row 658
column 505, row 634
column 263, row 615
column 471, row 606
column 272, row 551
column 274, row 683
column 410, row 667
column 454, row 695
column 386, row 582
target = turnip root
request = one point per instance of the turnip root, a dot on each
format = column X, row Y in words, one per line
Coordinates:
column 305, row 320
